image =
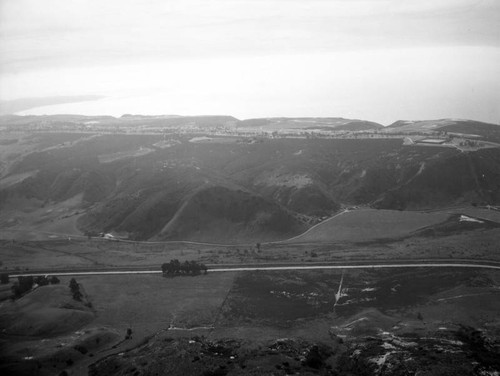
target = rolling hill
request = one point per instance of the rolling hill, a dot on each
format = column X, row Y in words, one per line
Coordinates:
column 226, row 188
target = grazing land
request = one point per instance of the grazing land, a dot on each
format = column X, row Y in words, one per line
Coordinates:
column 267, row 315
column 369, row 224
column 276, row 319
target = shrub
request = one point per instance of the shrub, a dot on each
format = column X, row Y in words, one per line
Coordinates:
column 4, row 278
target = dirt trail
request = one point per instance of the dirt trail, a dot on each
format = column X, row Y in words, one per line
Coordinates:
column 338, row 295
column 309, row 230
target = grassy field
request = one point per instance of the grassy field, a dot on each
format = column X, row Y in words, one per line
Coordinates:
column 46, row 331
column 369, row 224
column 151, row 303
column 250, row 307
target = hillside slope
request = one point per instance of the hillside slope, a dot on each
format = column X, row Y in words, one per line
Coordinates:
column 231, row 189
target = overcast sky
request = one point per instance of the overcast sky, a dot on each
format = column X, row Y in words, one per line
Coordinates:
column 379, row 60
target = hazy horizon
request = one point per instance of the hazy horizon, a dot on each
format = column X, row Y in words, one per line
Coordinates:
column 378, row 60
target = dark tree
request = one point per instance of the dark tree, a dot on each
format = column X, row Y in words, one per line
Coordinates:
column 16, row 291
column 75, row 289
column 165, row 268
column 129, row 333
column 54, row 280
column 4, row 278
column 77, row 295
column 195, row 268
column 25, row 283
column 176, row 266
column 73, row 285
column 204, row 268
column 186, row 267
column 41, row 281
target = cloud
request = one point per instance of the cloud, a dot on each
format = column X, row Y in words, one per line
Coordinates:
column 357, row 58
column 35, row 34
column 16, row 105
column 379, row 85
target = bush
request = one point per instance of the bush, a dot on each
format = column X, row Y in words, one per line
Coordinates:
column 23, row 285
column 81, row 349
column 41, row 281
column 4, row 278
column 73, row 285
column 314, row 358
column 75, row 290
column 77, row 295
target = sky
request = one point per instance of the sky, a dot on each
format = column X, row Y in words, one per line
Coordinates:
column 379, row 60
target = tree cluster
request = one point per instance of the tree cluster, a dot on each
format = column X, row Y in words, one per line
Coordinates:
column 46, row 280
column 75, row 290
column 25, row 284
column 175, row 267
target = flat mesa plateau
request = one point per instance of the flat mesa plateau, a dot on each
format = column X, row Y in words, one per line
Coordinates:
column 213, row 246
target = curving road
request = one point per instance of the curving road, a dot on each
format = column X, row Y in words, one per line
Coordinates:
column 289, row 241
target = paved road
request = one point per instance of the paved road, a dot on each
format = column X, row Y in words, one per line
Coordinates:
column 273, row 267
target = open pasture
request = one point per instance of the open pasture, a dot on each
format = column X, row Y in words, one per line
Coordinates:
column 149, row 303
column 369, row 224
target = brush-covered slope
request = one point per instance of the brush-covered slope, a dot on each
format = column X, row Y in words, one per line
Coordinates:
column 228, row 189
column 468, row 177
column 220, row 213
